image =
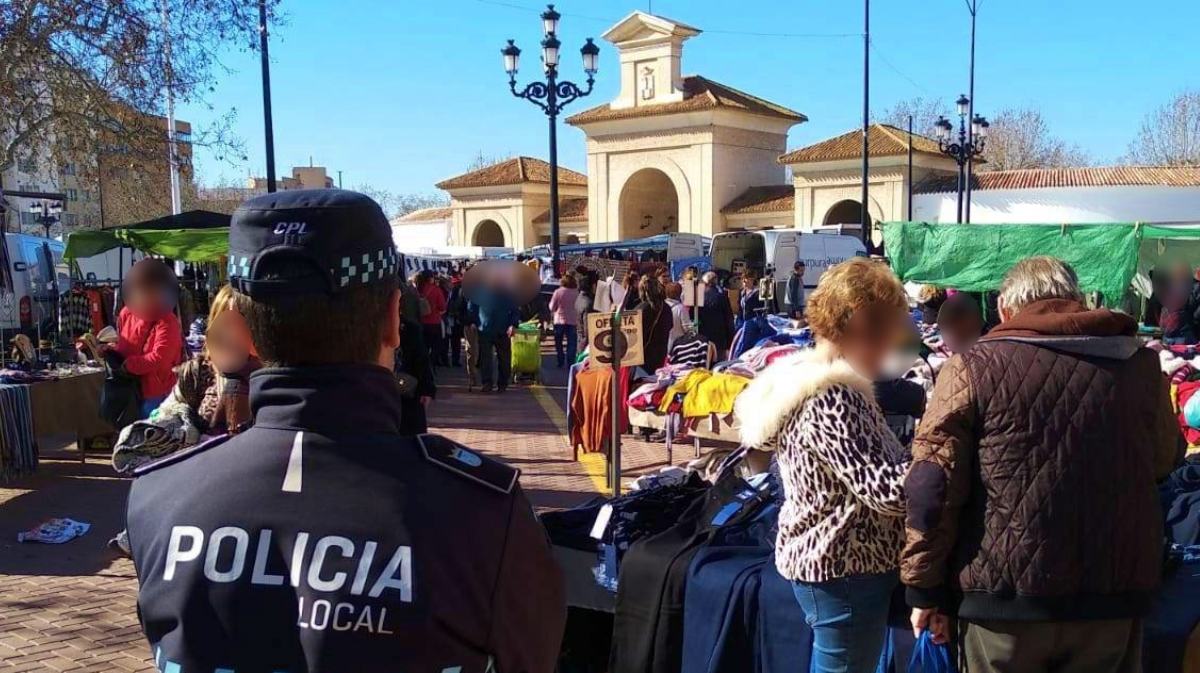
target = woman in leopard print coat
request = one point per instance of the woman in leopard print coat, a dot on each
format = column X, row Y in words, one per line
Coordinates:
column 841, row 527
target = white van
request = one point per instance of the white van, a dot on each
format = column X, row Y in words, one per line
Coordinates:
column 779, row 249
column 33, row 276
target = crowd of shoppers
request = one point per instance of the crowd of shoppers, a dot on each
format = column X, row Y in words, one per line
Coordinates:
column 1022, row 523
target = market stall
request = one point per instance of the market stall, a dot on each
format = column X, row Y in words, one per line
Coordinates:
column 36, row 406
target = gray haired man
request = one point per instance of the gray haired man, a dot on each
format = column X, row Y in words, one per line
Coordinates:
column 1032, row 509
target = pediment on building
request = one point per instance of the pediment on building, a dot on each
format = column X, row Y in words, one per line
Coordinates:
column 640, row 27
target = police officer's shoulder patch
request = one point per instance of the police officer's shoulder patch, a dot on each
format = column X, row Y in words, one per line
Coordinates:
column 181, row 455
column 455, row 457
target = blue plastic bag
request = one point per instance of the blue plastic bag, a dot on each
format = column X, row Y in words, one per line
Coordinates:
column 929, row 657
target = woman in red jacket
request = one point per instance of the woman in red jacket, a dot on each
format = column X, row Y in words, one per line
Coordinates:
column 151, row 339
column 431, row 320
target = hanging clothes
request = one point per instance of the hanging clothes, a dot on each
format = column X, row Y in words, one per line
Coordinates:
column 18, row 445
column 74, row 314
column 648, row 627
column 591, row 408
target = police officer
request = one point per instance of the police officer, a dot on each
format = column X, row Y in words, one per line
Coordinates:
column 322, row 539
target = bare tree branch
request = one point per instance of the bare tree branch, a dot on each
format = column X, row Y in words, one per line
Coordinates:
column 1170, row 135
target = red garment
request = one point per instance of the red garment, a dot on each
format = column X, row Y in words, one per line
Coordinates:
column 1184, row 392
column 152, row 349
column 437, row 304
column 95, row 310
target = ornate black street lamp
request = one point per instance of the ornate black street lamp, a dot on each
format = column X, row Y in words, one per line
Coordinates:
column 46, row 213
column 966, row 147
column 551, row 96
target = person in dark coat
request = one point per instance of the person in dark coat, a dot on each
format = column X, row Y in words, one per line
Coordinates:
column 749, row 301
column 1032, row 513
column 412, row 359
column 323, row 538
column 656, row 322
column 716, row 317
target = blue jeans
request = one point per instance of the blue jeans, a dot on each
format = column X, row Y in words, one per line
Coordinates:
column 149, row 405
column 848, row 617
column 567, row 332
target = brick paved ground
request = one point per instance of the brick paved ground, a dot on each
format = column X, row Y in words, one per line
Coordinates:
column 71, row 607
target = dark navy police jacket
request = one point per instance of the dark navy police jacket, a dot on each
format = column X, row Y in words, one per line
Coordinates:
column 323, row 540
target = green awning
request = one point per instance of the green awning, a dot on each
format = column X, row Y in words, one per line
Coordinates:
column 975, row 257
column 185, row 245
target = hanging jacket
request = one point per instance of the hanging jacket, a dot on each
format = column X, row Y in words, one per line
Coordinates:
column 152, row 349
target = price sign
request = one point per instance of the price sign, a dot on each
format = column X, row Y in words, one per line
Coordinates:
column 693, row 293
column 619, row 340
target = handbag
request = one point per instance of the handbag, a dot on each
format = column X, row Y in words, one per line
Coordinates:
column 120, row 398
column 929, row 657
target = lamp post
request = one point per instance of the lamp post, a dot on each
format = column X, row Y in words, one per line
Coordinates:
column 551, row 95
column 964, row 148
column 46, row 213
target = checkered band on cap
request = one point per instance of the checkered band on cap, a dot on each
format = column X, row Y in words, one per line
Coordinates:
column 239, row 266
column 367, row 267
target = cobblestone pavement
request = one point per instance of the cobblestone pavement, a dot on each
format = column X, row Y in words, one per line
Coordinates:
column 71, row 607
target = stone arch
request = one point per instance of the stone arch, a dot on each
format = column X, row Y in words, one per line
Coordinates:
column 648, row 205
column 846, row 211
column 642, row 167
column 490, row 233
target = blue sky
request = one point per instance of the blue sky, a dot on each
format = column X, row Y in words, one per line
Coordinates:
column 402, row 93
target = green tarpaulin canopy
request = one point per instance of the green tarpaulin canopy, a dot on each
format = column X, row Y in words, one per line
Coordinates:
column 186, row 245
column 975, row 257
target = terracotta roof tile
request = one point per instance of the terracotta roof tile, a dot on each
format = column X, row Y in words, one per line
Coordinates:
column 515, row 171
column 427, row 215
column 699, row 94
column 1083, row 176
column 883, row 140
column 569, row 210
column 763, row 199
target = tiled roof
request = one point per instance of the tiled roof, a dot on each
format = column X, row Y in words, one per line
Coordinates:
column 763, row 199
column 569, row 210
column 515, row 171
column 427, row 215
column 699, row 94
column 883, row 140
column 1084, row 176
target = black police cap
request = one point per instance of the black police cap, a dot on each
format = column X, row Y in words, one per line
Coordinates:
column 342, row 235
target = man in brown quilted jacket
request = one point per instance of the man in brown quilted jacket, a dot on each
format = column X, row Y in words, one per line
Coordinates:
column 1032, row 512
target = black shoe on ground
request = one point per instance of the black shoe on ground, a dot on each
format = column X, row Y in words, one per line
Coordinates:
column 486, row 389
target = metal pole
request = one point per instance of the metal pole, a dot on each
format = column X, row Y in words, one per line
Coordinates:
column 172, row 156
column 339, row 179
column 910, row 173
column 552, row 104
column 268, row 127
column 961, row 178
column 973, row 4
column 866, row 121
column 618, row 353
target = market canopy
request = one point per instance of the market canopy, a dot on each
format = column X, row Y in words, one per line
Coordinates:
column 195, row 236
column 185, row 245
column 192, row 219
column 975, row 257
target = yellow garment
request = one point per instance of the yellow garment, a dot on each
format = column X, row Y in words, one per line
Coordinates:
column 705, row 393
column 683, row 385
column 714, row 395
